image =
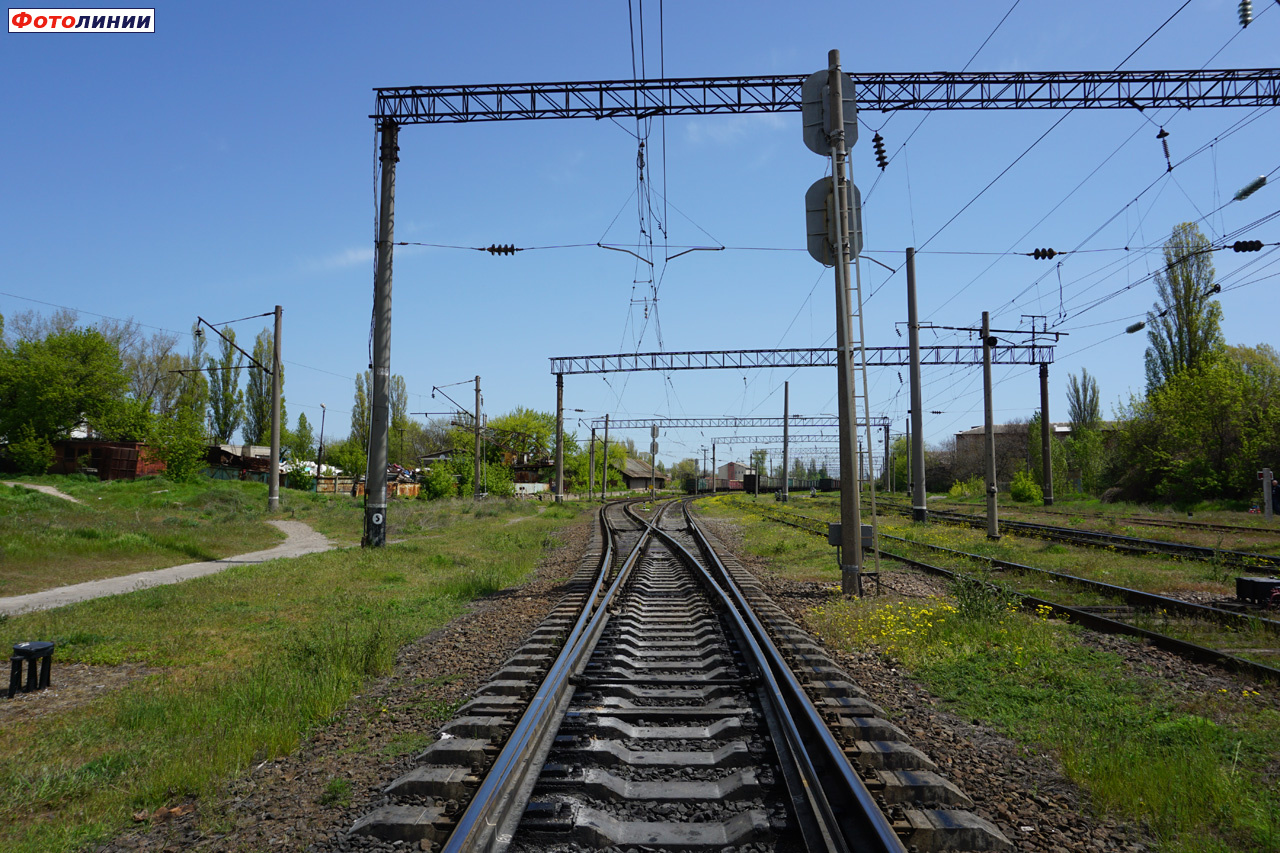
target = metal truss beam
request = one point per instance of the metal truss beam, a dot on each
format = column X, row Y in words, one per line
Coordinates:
column 777, row 439
column 725, row 423
column 941, row 90
column 746, row 359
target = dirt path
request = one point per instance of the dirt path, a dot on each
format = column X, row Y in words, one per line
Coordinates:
column 48, row 490
column 301, row 540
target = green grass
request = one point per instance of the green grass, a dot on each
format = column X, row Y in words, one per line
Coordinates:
column 1196, row 766
column 249, row 661
column 1190, row 765
column 123, row 527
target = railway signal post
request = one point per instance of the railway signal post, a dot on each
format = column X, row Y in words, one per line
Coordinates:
column 832, row 208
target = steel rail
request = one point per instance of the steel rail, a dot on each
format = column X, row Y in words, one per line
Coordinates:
column 1132, row 597
column 1097, row 539
column 853, row 820
column 1137, row 520
column 1094, row 620
column 496, row 807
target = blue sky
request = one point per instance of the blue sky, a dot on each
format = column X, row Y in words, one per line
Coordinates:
column 226, row 163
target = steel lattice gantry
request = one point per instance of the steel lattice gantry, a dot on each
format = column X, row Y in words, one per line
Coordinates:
column 729, row 423
column 774, row 439
column 820, row 357
column 939, row 90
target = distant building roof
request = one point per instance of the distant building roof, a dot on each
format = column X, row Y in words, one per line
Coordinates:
column 636, row 468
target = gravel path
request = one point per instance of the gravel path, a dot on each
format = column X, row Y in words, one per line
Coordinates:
column 301, row 539
column 48, row 490
column 282, row 804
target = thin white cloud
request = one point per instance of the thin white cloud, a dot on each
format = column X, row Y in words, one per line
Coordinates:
column 721, row 130
column 342, row 260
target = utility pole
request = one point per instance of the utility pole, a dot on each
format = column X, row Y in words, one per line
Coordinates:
column 375, row 493
column 713, row 467
column 475, row 489
column 704, row 463
column 591, row 465
column 1046, row 432
column 910, row 471
column 919, row 504
column 653, row 463
column 786, row 441
column 320, row 450
column 1268, row 500
column 993, row 524
column 559, row 495
column 273, row 486
column 604, row 484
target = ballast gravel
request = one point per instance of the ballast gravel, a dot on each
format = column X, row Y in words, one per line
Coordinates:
column 308, row 800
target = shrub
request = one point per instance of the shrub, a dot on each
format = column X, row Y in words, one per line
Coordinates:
column 31, row 453
column 1024, row 488
column 969, row 488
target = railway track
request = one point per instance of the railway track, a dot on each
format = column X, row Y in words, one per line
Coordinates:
column 1138, row 521
column 667, row 704
column 1243, row 560
column 1098, row 618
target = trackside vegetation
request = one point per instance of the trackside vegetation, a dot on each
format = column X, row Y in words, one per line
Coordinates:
column 240, row 666
column 1195, row 764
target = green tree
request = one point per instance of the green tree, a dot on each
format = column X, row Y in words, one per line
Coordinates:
column 348, row 455
column 526, row 431
column 1202, row 435
column 360, row 412
column 193, row 390
column 226, row 400
column 179, row 441
column 1084, row 447
column 1082, row 401
column 31, row 453
column 257, row 394
column 1184, row 326
column 1057, row 454
column 54, row 384
column 302, row 440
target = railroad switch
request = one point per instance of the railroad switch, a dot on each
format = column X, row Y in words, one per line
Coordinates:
column 30, row 653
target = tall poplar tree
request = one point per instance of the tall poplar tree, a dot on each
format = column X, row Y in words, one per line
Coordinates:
column 1185, row 324
column 226, row 400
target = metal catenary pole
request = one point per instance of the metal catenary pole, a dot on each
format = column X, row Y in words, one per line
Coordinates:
column 786, row 441
column 277, row 377
column 375, row 495
column 604, row 463
column 919, row 503
column 475, row 489
column 591, row 466
column 559, row 495
column 850, row 510
column 993, row 524
column 1046, row 433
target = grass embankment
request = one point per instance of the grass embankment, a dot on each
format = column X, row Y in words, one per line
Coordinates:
column 123, row 527
column 1197, row 766
column 248, row 660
